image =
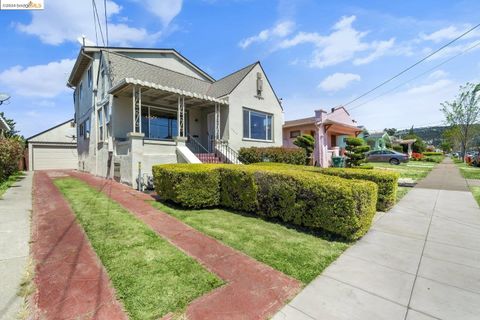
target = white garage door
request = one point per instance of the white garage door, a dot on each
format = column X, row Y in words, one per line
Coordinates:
column 54, row 157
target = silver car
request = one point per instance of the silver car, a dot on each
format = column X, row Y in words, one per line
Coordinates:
column 393, row 157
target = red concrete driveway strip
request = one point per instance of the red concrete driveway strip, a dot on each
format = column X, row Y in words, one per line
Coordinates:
column 71, row 281
column 253, row 290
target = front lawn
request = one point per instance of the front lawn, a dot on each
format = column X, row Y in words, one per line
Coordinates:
column 401, row 192
column 300, row 255
column 4, row 185
column 415, row 170
column 476, row 193
column 151, row 277
column 468, row 172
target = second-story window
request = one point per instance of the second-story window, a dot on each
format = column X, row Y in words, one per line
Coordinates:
column 102, row 82
column 80, row 89
column 90, row 77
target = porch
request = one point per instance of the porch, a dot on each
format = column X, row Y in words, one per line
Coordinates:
column 334, row 135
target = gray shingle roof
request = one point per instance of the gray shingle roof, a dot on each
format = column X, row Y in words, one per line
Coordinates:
column 124, row 67
column 226, row 85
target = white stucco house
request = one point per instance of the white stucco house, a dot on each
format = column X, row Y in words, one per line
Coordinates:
column 138, row 107
column 54, row 148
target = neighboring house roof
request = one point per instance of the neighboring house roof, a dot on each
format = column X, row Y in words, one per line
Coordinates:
column 66, row 139
column 227, row 84
column 299, row 122
column 3, row 124
column 377, row 135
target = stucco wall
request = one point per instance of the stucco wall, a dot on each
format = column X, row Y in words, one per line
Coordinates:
column 304, row 129
column 65, row 133
column 244, row 96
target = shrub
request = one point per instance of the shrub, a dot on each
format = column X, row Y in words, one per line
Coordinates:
column 387, row 182
column 433, row 154
column 11, row 151
column 318, row 201
column 417, row 156
column 355, row 153
column 307, row 142
column 272, row 154
column 191, row 185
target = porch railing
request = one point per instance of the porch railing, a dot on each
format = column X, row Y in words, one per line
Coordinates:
column 200, row 151
column 225, row 152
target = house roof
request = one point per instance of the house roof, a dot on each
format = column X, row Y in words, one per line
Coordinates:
column 86, row 53
column 299, row 122
column 227, row 84
column 377, row 135
column 49, row 129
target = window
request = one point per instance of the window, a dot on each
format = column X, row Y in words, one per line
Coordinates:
column 80, row 89
column 294, row 134
column 100, row 124
column 102, row 82
column 80, row 130
column 257, row 125
column 90, row 77
column 159, row 123
column 87, row 128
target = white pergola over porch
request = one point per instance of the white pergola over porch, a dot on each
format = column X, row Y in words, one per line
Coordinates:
column 151, row 94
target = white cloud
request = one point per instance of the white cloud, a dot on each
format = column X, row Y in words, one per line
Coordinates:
column 338, row 81
column 431, row 87
column 44, row 81
column 280, row 30
column 449, row 33
column 166, row 10
column 438, row 74
column 341, row 45
column 60, row 23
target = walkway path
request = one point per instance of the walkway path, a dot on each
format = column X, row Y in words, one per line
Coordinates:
column 253, row 290
column 15, row 208
column 70, row 279
column 419, row 261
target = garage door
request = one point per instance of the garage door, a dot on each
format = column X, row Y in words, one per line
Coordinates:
column 54, row 157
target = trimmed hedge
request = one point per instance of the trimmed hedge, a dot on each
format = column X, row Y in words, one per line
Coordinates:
column 193, row 186
column 387, row 182
column 272, row 154
column 318, row 201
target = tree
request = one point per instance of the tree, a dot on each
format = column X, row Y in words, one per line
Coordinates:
column 390, row 131
column 11, row 124
column 463, row 113
column 355, row 151
column 306, row 142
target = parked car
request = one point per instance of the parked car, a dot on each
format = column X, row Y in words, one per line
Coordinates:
column 393, row 157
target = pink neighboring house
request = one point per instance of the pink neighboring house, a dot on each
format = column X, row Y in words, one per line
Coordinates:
column 329, row 130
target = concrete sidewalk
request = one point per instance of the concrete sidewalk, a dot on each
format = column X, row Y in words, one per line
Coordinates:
column 15, row 209
column 421, row 260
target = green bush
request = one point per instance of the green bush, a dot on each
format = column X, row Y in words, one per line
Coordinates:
column 387, row 182
column 272, row 154
column 433, row 154
column 316, row 201
column 355, row 151
column 11, row 151
column 190, row 185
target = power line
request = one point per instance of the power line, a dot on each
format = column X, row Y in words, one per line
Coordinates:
column 413, row 65
column 98, row 20
column 106, row 20
column 416, row 77
column 95, row 23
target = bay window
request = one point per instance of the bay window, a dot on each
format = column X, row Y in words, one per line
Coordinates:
column 257, row 125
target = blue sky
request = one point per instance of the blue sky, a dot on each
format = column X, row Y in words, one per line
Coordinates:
column 317, row 54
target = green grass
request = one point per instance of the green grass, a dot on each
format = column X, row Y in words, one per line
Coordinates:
column 415, row 170
column 476, row 193
column 468, row 172
column 401, row 192
column 300, row 255
column 150, row 276
column 10, row 181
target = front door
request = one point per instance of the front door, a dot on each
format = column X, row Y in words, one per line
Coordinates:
column 210, row 130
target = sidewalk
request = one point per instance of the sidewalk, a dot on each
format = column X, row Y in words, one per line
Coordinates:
column 419, row 261
column 15, row 208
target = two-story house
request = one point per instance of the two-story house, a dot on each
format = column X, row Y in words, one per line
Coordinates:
column 138, row 107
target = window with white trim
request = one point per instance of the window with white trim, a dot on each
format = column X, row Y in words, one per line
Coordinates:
column 90, row 77
column 257, row 125
column 100, row 124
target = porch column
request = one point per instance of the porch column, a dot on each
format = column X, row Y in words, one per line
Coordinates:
column 217, row 121
column 181, row 116
column 136, row 109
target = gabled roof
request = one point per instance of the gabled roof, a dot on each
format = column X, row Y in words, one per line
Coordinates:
column 299, row 122
column 227, row 84
column 86, row 53
column 377, row 135
column 49, row 129
column 123, row 67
